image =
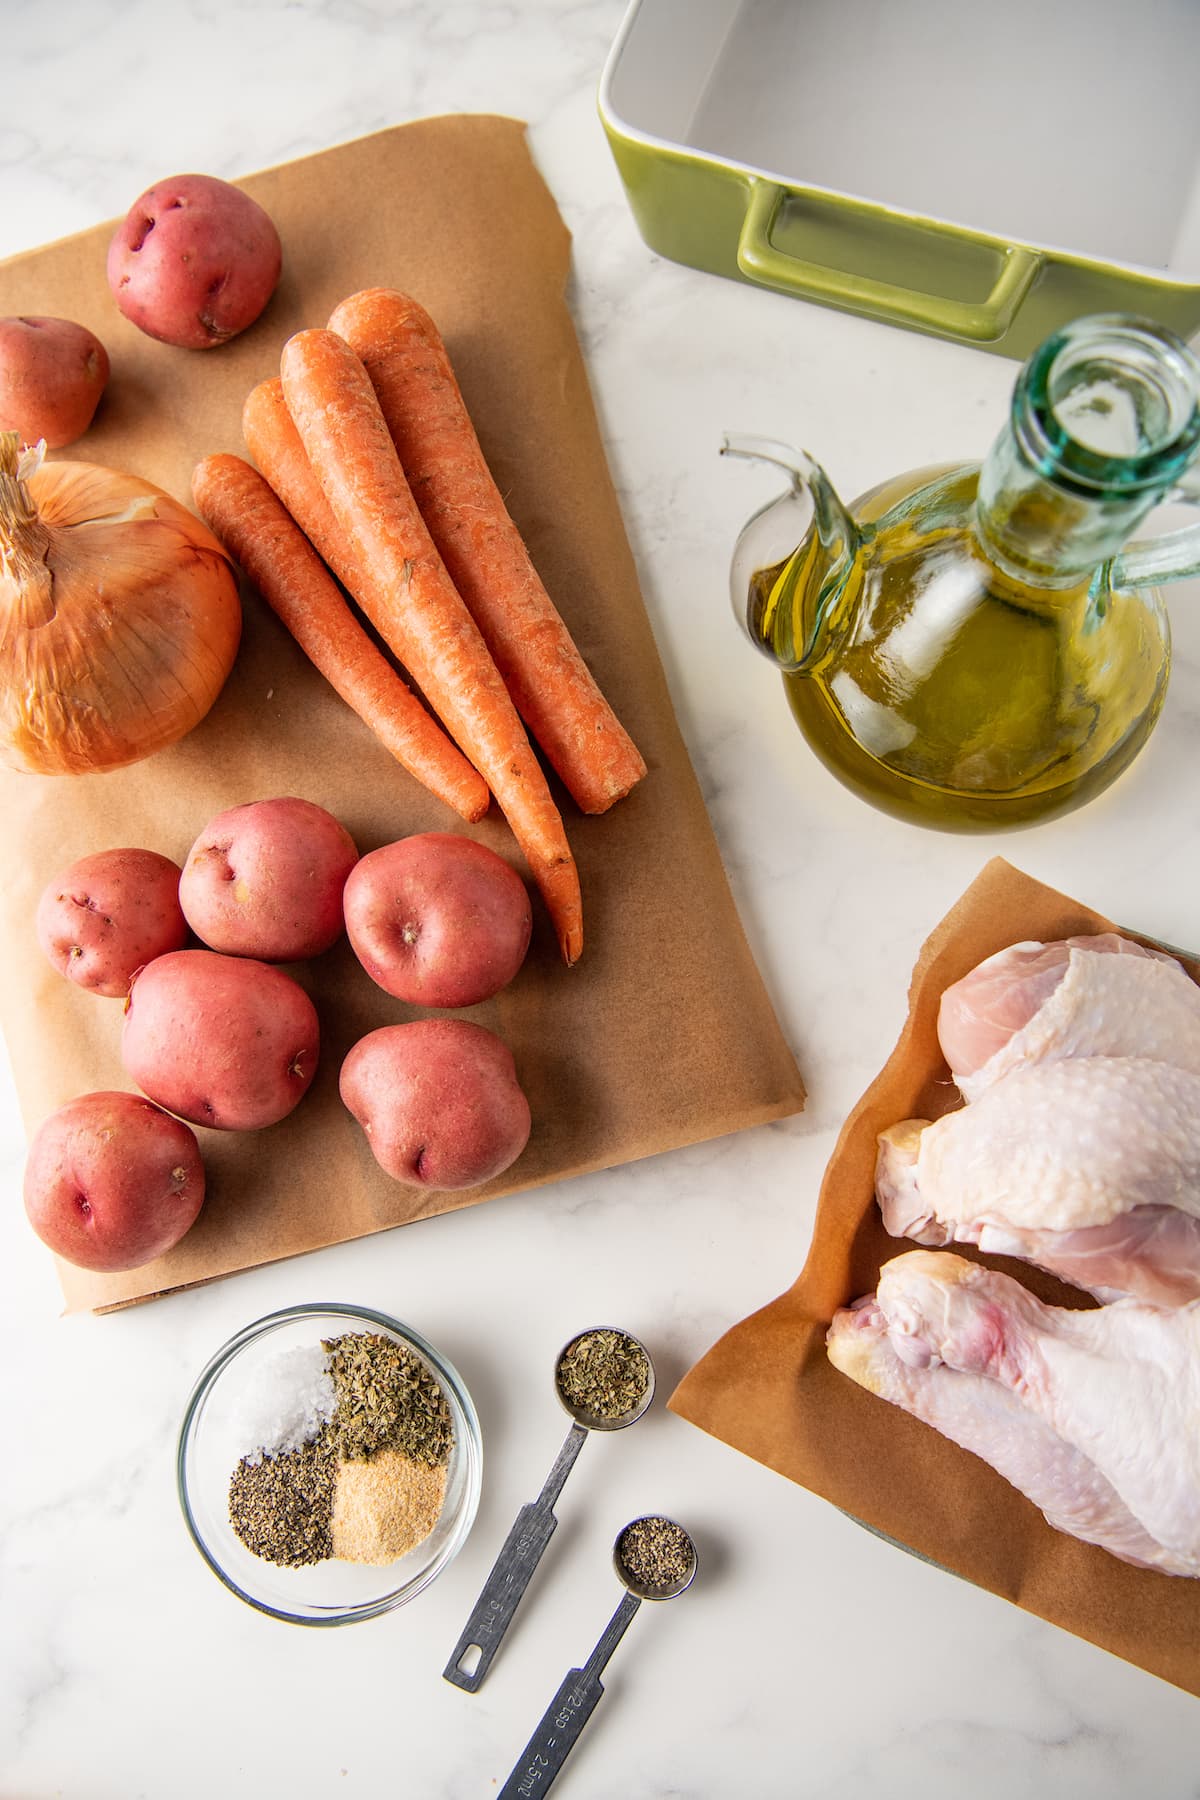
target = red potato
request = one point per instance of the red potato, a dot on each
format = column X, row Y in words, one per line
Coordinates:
column 266, row 880
column 439, row 1101
column 111, row 1181
column 220, row 1040
column 194, row 261
column 106, row 915
column 438, row 919
column 52, row 374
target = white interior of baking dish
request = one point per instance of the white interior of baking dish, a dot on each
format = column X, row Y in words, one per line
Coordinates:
column 1073, row 124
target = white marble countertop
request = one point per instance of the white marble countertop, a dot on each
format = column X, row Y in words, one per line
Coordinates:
column 809, row 1657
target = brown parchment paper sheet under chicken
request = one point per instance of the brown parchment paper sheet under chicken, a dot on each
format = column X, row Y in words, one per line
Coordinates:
column 768, row 1388
column 452, row 210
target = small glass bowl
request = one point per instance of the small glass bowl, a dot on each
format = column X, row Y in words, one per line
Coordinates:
column 330, row 1592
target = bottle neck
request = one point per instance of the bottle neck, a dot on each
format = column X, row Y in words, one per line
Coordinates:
column 1105, row 421
column 1041, row 533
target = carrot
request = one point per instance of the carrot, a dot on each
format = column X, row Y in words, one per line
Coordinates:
column 487, row 560
column 274, row 443
column 403, row 588
column 262, row 536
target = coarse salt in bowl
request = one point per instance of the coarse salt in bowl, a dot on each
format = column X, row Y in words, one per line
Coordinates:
column 264, row 1391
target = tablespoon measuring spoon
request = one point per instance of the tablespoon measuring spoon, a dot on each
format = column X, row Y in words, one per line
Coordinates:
column 535, row 1523
column 564, row 1719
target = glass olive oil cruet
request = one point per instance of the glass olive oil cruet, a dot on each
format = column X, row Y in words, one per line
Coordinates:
column 978, row 646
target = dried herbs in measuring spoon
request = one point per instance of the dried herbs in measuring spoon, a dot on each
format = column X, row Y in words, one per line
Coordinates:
column 605, row 1379
column 603, row 1375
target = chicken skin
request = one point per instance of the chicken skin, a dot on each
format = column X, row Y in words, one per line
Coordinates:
column 1079, row 1149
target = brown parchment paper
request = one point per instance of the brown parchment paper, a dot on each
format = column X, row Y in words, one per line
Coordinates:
column 768, row 1388
column 663, row 1033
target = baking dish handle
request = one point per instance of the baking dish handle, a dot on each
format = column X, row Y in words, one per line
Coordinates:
column 981, row 321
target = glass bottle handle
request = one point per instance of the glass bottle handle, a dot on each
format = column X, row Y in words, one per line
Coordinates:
column 1172, row 557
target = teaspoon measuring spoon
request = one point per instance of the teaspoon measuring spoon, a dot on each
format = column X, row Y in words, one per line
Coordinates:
column 533, row 1529
column 564, row 1719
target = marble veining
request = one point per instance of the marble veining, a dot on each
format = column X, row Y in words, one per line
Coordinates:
column 809, row 1658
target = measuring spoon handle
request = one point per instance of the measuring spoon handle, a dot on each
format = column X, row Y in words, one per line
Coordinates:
column 567, row 1714
column 511, row 1572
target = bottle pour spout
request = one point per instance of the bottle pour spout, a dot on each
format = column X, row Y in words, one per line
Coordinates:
column 796, row 463
column 791, row 559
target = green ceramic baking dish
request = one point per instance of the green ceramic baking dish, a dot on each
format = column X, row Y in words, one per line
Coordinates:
column 980, row 173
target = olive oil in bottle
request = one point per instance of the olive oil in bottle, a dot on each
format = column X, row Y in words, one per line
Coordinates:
column 952, row 693
column 979, row 646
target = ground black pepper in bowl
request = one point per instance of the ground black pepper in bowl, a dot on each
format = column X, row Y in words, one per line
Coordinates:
column 281, row 1507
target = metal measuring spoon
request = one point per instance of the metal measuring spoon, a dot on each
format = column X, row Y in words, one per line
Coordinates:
column 577, row 1698
column 533, row 1529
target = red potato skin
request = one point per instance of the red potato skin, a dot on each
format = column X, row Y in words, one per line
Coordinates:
column 194, row 261
column 220, row 1040
column 266, row 879
column 111, row 1181
column 99, row 920
column 438, row 920
column 439, row 1101
column 52, row 374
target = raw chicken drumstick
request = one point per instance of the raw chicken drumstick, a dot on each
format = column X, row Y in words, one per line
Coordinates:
column 1094, row 1416
column 1080, row 1150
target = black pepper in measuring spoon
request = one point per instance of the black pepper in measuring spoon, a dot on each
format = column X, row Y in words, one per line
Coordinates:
column 655, row 1557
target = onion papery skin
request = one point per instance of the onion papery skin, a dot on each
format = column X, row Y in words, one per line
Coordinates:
column 119, row 621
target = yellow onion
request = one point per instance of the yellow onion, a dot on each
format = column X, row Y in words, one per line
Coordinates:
column 119, row 616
